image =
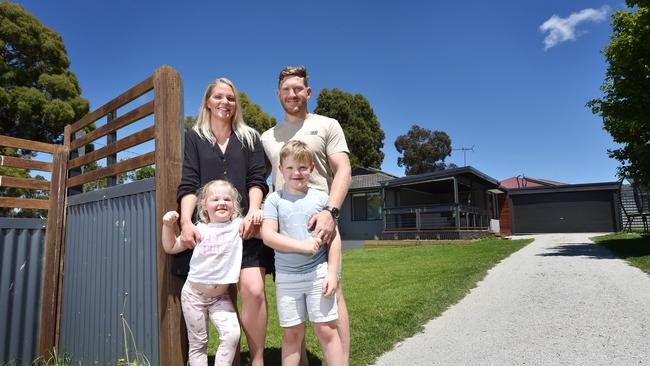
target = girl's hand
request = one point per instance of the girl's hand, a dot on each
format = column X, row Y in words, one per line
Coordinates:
column 330, row 283
column 170, row 218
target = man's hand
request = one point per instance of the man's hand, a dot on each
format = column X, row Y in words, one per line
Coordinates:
column 250, row 225
column 190, row 235
column 330, row 283
column 324, row 226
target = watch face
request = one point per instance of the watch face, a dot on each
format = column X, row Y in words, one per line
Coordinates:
column 335, row 211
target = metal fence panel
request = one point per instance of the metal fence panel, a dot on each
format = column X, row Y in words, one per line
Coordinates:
column 21, row 271
column 110, row 269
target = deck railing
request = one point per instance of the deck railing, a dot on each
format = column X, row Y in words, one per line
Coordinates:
column 436, row 217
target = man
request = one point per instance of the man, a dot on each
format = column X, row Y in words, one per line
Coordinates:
column 325, row 138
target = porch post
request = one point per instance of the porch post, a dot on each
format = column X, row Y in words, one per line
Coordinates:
column 456, row 206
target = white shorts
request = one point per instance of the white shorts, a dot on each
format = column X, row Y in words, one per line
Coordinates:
column 297, row 294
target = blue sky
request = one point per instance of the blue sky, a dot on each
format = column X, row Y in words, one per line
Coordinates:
column 480, row 71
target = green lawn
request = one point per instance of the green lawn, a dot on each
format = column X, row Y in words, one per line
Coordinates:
column 635, row 248
column 392, row 292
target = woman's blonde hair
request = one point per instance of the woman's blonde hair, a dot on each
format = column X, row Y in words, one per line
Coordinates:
column 208, row 189
column 247, row 135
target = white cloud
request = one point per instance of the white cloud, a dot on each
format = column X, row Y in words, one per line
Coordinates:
column 564, row 29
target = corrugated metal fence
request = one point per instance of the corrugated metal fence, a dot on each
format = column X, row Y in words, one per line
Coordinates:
column 21, row 270
column 110, row 260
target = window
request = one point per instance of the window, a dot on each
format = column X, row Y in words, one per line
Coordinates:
column 366, row 206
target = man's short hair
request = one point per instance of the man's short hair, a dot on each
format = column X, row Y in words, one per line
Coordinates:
column 299, row 71
column 298, row 150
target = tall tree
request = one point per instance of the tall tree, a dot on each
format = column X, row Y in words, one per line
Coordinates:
column 362, row 130
column 423, row 150
column 254, row 115
column 625, row 106
column 38, row 94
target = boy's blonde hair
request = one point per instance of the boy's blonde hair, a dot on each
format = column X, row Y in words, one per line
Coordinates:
column 208, row 189
column 299, row 71
column 298, row 150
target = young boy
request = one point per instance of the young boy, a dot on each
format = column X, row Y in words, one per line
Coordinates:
column 306, row 269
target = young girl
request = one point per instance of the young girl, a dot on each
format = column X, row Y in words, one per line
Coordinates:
column 215, row 264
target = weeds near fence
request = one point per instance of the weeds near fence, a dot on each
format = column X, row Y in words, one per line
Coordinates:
column 55, row 359
column 127, row 333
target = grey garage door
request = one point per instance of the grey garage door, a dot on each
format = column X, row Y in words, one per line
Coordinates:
column 564, row 212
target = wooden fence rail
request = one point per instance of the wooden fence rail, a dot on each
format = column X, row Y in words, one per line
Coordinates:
column 66, row 172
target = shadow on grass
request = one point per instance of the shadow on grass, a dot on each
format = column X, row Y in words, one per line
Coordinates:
column 273, row 357
column 580, row 250
column 628, row 247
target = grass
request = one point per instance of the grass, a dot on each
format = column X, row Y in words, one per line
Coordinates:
column 634, row 248
column 392, row 292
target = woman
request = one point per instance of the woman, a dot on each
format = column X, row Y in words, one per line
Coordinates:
column 222, row 146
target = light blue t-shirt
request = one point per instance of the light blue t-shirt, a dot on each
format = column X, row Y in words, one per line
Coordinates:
column 292, row 212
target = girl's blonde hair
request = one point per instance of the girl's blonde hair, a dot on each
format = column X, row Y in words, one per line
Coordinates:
column 247, row 135
column 208, row 189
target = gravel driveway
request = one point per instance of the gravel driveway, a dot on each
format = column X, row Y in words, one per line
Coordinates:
column 561, row 300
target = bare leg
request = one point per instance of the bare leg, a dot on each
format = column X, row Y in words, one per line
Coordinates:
column 292, row 337
column 330, row 343
column 343, row 325
column 254, row 311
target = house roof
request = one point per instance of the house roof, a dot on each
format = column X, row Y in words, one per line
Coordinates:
column 364, row 178
column 566, row 188
column 442, row 174
column 522, row 181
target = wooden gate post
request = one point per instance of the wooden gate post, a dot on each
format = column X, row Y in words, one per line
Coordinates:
column 54, row 246
column 168, row 109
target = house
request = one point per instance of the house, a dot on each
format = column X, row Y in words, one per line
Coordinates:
column 450, row 204
column 361, row 212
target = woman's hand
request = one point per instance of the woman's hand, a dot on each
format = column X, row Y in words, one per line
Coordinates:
column 190, row 235
column 250, row 225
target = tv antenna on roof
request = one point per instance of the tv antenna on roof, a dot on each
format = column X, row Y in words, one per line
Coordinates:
column 464, row 150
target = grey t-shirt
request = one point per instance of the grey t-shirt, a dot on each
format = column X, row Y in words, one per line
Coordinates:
column 292, row 212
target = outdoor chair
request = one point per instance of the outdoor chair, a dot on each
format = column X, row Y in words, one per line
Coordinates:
column 642, row 202
column 629, row 216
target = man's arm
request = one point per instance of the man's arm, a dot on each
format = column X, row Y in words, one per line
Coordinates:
column 323, row 222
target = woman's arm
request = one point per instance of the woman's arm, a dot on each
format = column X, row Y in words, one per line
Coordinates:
column 251, row 223
column 190, row 235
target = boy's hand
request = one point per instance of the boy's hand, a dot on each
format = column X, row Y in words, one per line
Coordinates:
column 170, row 218
column 330, row 283
column 312, row 244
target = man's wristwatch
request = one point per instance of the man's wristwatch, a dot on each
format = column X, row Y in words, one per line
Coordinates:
column 334, row 211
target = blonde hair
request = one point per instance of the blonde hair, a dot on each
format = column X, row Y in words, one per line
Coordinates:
column 208, row 189
column 299, row 71
column 298, row 150
column 247, row 135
